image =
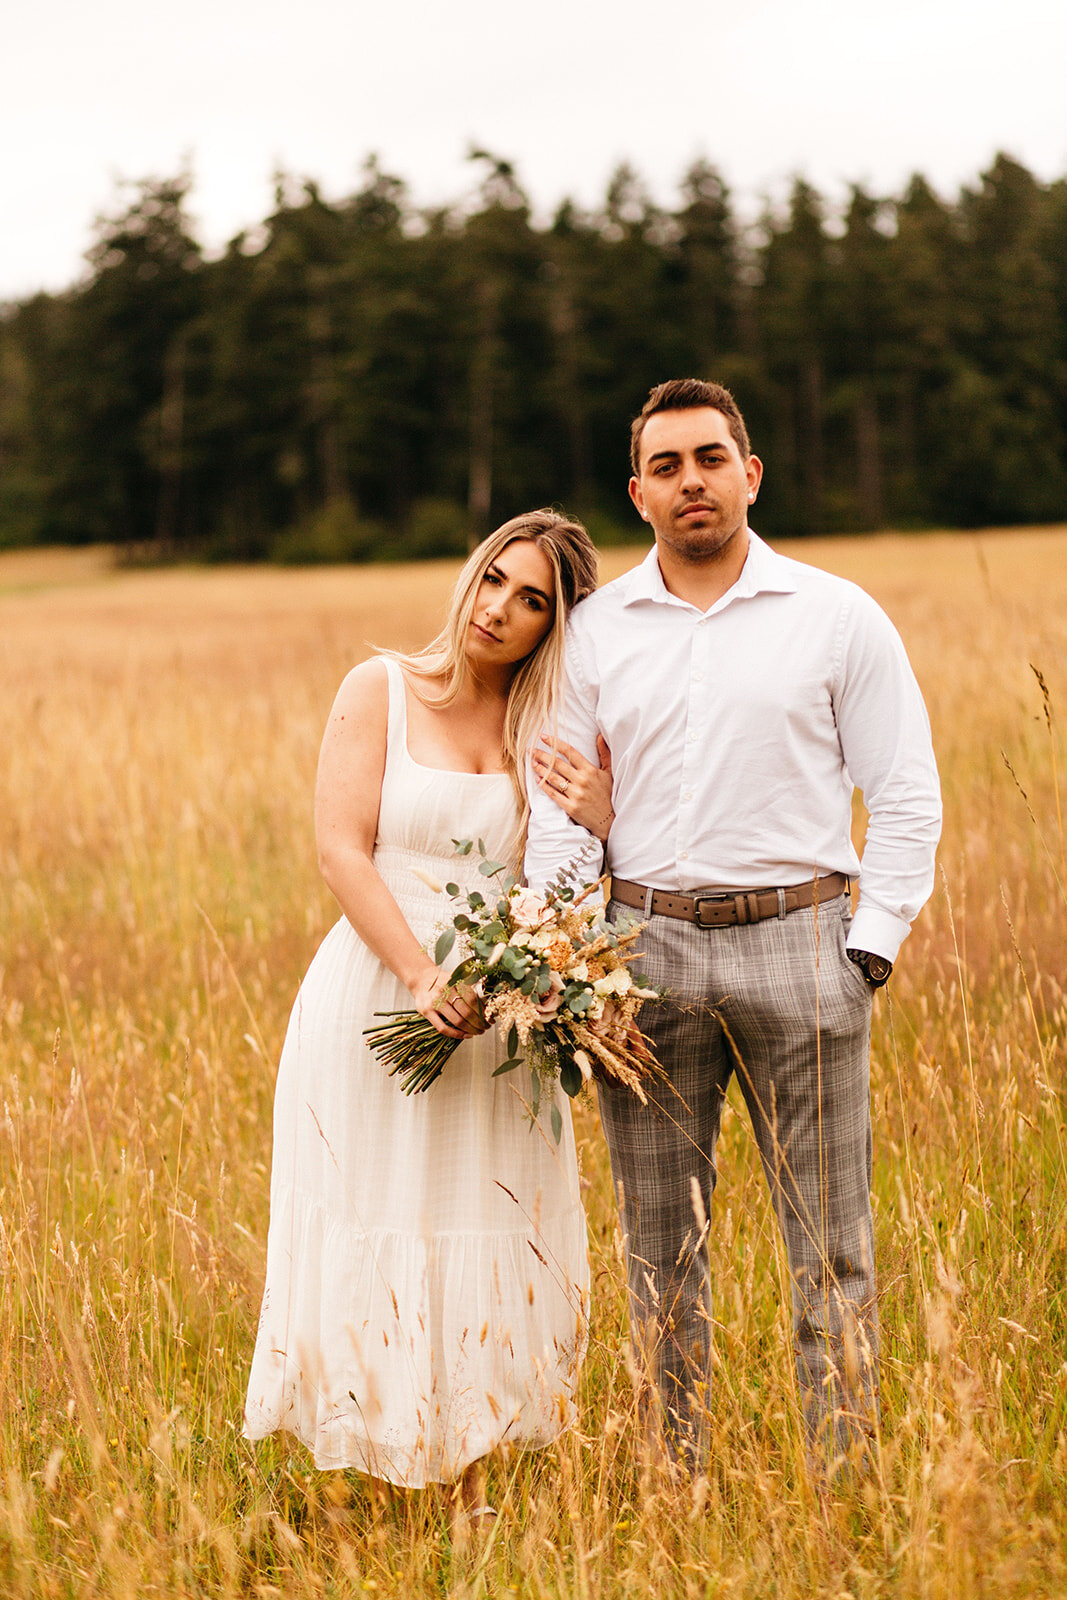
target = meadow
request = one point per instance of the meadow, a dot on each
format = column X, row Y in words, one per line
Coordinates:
column 159, row 902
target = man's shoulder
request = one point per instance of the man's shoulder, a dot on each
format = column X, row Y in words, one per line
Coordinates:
column 817, row 585
column 604, row 602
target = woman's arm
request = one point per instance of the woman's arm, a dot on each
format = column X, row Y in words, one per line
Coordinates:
column 348, row 794
column 580, row 789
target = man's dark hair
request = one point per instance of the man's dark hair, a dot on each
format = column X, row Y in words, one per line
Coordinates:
column 687, row 394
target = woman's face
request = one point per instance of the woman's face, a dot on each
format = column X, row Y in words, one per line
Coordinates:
column 514, row 607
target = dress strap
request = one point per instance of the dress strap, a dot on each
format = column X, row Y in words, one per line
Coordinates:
column 398, row 710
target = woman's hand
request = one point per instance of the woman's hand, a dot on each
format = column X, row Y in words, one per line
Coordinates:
column 582, row 790
column 457, row 1013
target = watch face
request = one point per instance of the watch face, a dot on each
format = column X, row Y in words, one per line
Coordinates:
column 878, row 968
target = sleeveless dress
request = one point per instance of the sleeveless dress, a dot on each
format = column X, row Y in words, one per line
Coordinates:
column 427, row 1279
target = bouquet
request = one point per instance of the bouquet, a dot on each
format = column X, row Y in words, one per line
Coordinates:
column 549, row 969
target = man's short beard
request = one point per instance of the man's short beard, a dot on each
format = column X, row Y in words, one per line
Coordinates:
column 700, row 544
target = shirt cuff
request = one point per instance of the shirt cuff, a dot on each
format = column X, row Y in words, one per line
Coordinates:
column 878, row 931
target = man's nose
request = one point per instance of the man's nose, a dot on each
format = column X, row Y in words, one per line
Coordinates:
column 692, row 476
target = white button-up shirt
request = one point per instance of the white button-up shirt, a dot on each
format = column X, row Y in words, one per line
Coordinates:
column 737, row 736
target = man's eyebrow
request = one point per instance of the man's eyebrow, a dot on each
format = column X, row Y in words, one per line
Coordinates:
column 527, row 588
column 701, row 449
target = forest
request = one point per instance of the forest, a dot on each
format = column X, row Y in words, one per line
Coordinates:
column 361, row 378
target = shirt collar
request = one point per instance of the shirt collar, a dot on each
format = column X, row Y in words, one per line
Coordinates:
column 764, row 572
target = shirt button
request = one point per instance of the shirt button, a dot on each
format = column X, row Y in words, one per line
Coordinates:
column 698, row 676
column 687, row 794
column 691, row 736
column 683, row 855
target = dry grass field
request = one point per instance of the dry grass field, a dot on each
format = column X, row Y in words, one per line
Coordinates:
column 158, row 904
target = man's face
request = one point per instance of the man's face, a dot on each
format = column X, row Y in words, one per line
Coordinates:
column 693, row 486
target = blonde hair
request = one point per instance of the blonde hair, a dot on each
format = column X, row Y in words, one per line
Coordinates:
column 533, row 696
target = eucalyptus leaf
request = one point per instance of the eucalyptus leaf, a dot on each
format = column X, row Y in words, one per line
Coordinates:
column 489, row 869
column 481, row 847
column 513, row 1040
column 464, row 847
column 535, row 1093
column 507, row 1066
column 444, row 945
column 570, row 1078
column 452, row 889
column 557, row 1122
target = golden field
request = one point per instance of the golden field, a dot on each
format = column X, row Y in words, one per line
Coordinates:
column 158, row 904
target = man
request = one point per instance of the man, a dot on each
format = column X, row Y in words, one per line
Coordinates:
column 742, row 696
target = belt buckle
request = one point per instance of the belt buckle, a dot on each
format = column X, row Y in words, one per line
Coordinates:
column 709, row 900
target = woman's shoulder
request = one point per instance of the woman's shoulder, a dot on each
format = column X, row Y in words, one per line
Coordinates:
column 364, row 692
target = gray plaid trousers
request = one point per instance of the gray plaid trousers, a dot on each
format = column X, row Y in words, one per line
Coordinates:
column 779, row 1003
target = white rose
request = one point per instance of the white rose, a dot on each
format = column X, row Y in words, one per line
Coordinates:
column 617, row 982
column 528, row 908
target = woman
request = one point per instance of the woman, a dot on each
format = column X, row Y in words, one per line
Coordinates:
column 426, row 1263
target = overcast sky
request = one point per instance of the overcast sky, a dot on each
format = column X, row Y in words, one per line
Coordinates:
column 838, row 90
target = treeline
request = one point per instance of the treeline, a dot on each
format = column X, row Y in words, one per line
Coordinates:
column 360, row 378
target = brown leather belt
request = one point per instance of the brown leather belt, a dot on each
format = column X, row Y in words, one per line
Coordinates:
column 728, row 908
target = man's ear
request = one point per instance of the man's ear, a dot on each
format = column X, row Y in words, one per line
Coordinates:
column 754, row 474
column 637, row 497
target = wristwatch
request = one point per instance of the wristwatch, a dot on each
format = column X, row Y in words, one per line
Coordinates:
column 875, row 969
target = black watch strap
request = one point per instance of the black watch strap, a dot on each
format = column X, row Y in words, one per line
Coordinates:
column 875, row 969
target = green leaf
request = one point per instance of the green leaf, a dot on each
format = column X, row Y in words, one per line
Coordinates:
column 570, row 1078
column 508, row 882
column 535, row 1093
column 489, row 869
column 464, row 847
column 461, row 922
column 481, row 847
column 557, row 1122
column 507, row 1066
column 544, row 979
column 513, row 1040
column 452, row 889
column 444, row 945
column 475, row 900
column 527, row 983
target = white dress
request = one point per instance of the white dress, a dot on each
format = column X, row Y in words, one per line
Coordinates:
column 427, row 1280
